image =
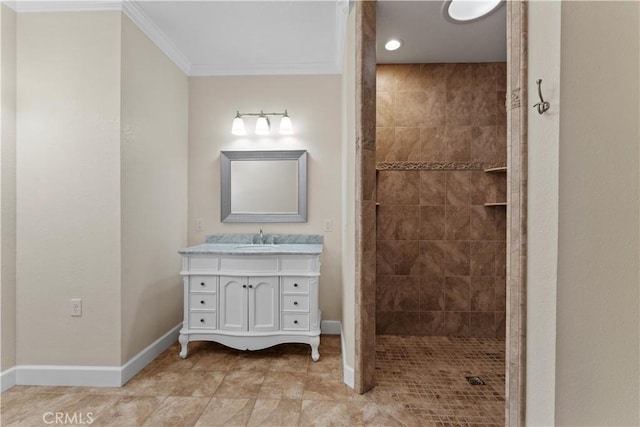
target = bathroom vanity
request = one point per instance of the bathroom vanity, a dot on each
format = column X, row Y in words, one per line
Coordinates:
column 250, row 291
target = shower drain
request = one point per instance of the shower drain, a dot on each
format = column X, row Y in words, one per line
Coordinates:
column 475, row 380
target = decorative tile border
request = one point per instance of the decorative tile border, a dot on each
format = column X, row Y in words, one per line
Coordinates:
column 436, row 166
column 515, row 98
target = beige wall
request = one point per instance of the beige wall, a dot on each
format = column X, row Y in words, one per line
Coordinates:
column 542, row 221
column 348, row 191
column 154, row 189
column 8, row 190
column 314, row 104
column 68, row 187
column 598, row 361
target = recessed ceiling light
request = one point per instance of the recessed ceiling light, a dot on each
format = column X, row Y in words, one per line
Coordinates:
column 393, row 44
column 461, row 11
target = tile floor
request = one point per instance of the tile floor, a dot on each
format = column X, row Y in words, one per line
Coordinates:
column 428, row 374
column 281, row 386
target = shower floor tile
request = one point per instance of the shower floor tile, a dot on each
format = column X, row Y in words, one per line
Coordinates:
column 426, row 376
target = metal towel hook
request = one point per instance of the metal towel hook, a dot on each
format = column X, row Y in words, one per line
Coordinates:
column 543, row 105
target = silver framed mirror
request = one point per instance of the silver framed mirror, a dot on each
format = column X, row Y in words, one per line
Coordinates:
column 263, row 186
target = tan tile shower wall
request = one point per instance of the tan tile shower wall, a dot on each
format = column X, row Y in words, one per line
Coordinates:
column 441, row 253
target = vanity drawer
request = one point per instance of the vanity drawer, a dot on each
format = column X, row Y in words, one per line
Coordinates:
column 298, row 264
column 202, row 283
column 295, row 322
column 202, row 302
column 249, row 264
column 295, row 285
column 295, row 303
column 202, row 320
column 209, row 263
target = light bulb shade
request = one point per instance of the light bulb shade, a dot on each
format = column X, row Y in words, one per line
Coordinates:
column 262, row 125
column 237, row 128
column 286, row 128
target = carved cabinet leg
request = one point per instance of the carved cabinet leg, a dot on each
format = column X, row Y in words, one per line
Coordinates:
column 184, row 342
column 315, row 343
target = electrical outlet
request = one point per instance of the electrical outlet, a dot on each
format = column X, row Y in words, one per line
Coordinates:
column 199, row 224
column 76, row 307
column 328, row 225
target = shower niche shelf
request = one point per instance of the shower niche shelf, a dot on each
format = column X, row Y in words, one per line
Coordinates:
column 496, row 170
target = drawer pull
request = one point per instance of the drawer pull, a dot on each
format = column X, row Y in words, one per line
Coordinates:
column 295, row 285
column 202, row 302
column 201, row 283
column 201, row 320
column 295, row 303
column 295, row 322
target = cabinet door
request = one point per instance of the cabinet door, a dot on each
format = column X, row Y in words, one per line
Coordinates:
column 264, row 298
column 233, row 303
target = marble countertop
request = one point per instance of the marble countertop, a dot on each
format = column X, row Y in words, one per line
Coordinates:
column 247, row 244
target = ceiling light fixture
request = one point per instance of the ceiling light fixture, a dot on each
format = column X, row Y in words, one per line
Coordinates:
column 393, row 44
column 464, row 11
column 263, row 125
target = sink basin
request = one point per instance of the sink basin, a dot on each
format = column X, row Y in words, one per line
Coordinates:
column 256, row 247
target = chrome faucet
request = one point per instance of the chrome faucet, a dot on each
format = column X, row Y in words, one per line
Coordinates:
column 261, row 237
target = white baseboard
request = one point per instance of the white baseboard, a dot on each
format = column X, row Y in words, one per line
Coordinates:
column 88, row 376
column 65, row 375
column 348, row 374
column 331, row 327
column 334, row 327
column 116, row 376
column 142, row 359
column 7, row 379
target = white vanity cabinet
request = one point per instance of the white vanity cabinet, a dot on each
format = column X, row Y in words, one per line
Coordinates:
column 249, row 301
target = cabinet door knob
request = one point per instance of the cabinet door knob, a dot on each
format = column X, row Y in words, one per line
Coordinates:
column 295, row 322
column 295, row 303
column 201, row 320
column 244, row 286
column 250, row 286
column 202, row 302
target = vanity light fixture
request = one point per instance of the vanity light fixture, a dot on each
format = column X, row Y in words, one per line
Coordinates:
column 393, row 44
column 464, row 11
column 263, row 125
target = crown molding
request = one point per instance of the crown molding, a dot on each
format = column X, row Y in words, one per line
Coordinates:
column 211, row 70
column 134, row 12
column 23, row 6
column 343, row 8
column 164, row 43
column 129, row 8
